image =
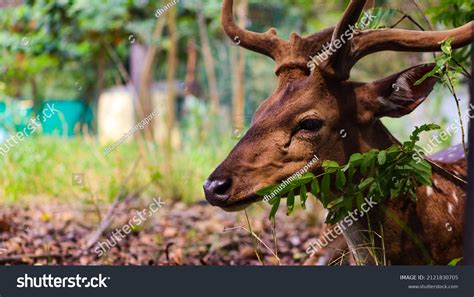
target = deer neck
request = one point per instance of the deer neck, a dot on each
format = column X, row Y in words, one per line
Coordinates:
column 378, row 138
column 365, row 247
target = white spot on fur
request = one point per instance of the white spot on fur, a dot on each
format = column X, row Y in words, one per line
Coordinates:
column 450, row 208
column 456, row 199
column 429, row 191
column 435, row 183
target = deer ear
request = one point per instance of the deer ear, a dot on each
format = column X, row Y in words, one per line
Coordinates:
column 397, row 95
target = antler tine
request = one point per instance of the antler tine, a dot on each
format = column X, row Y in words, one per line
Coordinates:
column 372, row 41
column 265, row 43
column 350, row 17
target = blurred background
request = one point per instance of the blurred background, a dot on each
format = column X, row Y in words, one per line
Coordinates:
column 108, row 65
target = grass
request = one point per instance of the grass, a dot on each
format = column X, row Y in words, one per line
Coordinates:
column 40, row 169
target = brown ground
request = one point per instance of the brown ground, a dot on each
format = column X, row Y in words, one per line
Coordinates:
column 177, row 234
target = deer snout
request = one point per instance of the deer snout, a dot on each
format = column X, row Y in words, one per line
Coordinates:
column 217, row 190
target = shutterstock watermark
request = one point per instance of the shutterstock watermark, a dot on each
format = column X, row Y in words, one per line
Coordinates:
column 139, row 218
column 331, row 48
column 141, row 125
column 49, row 281
column 342, row 225
column 30, row 128
column 287, row 181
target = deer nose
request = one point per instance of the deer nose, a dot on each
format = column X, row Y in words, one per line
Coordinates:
column 216, row 191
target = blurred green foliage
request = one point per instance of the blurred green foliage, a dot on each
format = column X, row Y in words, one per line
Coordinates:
column 454, row 13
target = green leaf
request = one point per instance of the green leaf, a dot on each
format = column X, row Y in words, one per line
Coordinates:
column 365, row 183
column 441, row 62
column 359, row 200
column 325, row 185
column 422, row 166
column 350, row 172
column 336, row 203
column 424, row 179
column 266, row 190
column 290, row 202
column 315, row 187
column 275, row 207
column 446, row 46
column 382, row 157
column 414, row 137
column 348, row 203
column 454, row 262
column 356, row 159
column 303, row 196
column 274, row 199
column 304, row 179
column 340, row 179
column 330, row 166
column 427, row 75
column 368, row 160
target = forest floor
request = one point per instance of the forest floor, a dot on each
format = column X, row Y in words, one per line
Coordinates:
column 177, row 234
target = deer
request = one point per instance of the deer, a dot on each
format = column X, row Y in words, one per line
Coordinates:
column 313, row 102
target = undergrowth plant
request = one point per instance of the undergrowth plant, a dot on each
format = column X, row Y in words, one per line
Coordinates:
column 378, row 174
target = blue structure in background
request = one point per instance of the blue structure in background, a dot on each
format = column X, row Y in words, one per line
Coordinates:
column 13, row 117
column 70, row 113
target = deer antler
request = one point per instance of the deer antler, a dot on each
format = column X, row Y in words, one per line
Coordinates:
column 350, row 17
column 290, row 55
column 371, row 41
column 265, row 43
column 336, row 63
column 293, row 54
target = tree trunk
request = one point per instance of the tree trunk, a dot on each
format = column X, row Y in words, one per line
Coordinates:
column 101, row 68
column 238, row 99
column 171, row 75
column 191, row 87
column 469, row 212
column 35, row 95
column 208, row 60
column 137, row 57
column 146, row 78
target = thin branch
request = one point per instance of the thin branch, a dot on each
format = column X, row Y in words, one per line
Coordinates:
column 453, row 92
column 254, row 236
column 104, row 224
column 423, row 15
column 275, row 241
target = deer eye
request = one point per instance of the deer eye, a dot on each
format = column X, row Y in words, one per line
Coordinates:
column 311, row 125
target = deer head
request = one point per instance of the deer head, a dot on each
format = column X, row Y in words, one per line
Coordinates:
column 314, row 102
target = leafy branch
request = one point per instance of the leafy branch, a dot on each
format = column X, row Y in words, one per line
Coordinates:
column 447, row 70
column 378, row 174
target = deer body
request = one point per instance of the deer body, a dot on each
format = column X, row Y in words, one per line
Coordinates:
column 313, row 103
column 428, row 231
